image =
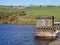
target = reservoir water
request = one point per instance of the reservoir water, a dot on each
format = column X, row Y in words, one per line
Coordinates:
column 19, row 35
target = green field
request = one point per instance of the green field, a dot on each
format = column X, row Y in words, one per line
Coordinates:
column 33, row 12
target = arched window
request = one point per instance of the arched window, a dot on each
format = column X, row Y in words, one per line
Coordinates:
column 43, row 22
column 58, row 35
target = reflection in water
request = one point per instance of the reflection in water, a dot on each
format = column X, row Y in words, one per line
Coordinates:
column 43, row 41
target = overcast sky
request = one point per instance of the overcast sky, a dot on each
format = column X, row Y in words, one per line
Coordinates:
column 28, row 2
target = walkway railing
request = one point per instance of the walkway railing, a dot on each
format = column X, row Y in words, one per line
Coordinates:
column 47, row 29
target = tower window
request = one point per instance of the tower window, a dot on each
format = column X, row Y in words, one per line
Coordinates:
column 43, row 22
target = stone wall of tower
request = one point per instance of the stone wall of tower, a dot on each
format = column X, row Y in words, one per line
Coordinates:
column 48, row 22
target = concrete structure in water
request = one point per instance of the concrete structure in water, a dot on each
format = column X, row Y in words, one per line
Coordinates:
column 45, row 28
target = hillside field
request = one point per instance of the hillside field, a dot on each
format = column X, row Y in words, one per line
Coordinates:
column 33, row 12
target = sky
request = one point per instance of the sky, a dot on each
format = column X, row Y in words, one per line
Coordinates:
column 28, row 2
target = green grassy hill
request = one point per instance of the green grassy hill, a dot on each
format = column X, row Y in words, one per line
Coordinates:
column 42, row 11
column 33, row 12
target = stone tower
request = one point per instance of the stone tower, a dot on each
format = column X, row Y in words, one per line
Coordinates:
column 45, row 27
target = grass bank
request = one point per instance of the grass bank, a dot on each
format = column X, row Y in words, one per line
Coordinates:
column 32, row 13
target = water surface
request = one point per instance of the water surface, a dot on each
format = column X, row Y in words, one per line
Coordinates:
column 19, row 35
